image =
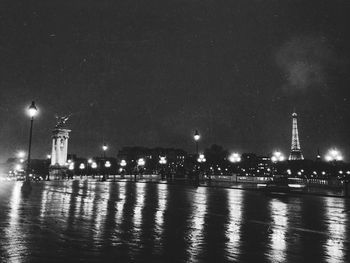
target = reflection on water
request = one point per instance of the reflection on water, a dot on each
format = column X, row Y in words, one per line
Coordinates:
column 109, row 222
column 15, row 234
column 278, row 230
column 234, row 223
column 196, row 232
column 162, row 205
column 337, row 222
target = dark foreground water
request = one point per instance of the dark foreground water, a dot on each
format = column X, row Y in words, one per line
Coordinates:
column 81, row 221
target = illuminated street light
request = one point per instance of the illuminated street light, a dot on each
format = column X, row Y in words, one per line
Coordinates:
column 104, row 148
column 21, row 154
column 90, row 161
column 333, row 155
column 122, row 163
column 234, row 158
column 162, row 160
column 107, row 164
column 201, row 158
column 82, row 166
column 94, row 165
column 71, row 166
column 32, row 111
column 18, row 167
column 196, row 138
column 277, row 157
column 141, row 162
column 48, row 156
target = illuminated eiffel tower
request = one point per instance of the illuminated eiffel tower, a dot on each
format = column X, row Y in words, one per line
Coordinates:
column 295, row 153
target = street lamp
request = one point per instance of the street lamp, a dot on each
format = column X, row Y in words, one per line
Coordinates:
column 277, row 156
column 122, row 163
column 81, row 167
column 32, row 111
column 234, row 158
column 104, row 148
column 201, row 158
column 333, row 155
column 141, row 162
column 162, row 160
column 196, row 138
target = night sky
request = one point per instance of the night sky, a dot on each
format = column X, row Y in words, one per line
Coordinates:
column 150, row 72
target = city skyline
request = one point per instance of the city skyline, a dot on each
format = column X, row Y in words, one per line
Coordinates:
column 234, row 72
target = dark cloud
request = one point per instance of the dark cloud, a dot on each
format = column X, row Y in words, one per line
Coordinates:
column 305, row 62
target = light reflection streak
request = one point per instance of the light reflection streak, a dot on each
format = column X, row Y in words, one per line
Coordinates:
column 278, row 228
column 162, row 203
column 14, row 235
column 199, row 210
column 140, row 202
column 101, row 211
column 45, row 200
column 120, row 203
column 233, row 230
column 337, row 222
column 89, row 201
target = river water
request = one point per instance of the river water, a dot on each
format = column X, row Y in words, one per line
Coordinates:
column 86, row 221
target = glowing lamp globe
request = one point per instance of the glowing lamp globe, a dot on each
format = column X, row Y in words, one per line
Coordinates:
column 234, row 158
column 141, row 162
column 32, row 110
column 196, row 136
column 123, row 163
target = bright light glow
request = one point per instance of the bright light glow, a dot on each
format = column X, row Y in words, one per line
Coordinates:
column 21, row 154
column 18, row 167
column 48, row 156
column 277, row 157
column 71, row 166
column 104, row 147
column 82, row 166
column 32, row 110
column 107, row 164
column 201, row 158
column 196, row 136
column 90, row 161
column 333, row 155
column 289, row 172
column 162, row 160
column 296, row 185
column 122, row 163
column 94, row 165
column 234, row 158
column 21, row 160
column 141, row 162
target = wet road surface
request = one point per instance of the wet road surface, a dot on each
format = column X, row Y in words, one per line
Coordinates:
column 85, row 221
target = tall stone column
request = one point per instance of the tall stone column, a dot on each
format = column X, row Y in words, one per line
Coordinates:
column 59, row 151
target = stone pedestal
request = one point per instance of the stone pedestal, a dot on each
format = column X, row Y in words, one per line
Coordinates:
column 58, row 167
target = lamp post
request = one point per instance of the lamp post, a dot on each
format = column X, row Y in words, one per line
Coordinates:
column 81, row 167
column 140, row 163
column 94, row 167
column 32, row 111
column 122, row 164
column 108, row 165
column 162, row 162
column 196, row 138
column 104, row 148
column 201, row 159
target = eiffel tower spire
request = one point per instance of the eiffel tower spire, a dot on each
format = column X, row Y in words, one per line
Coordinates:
column 295, row 153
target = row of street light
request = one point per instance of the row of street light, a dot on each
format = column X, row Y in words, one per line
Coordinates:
column 332, row 155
